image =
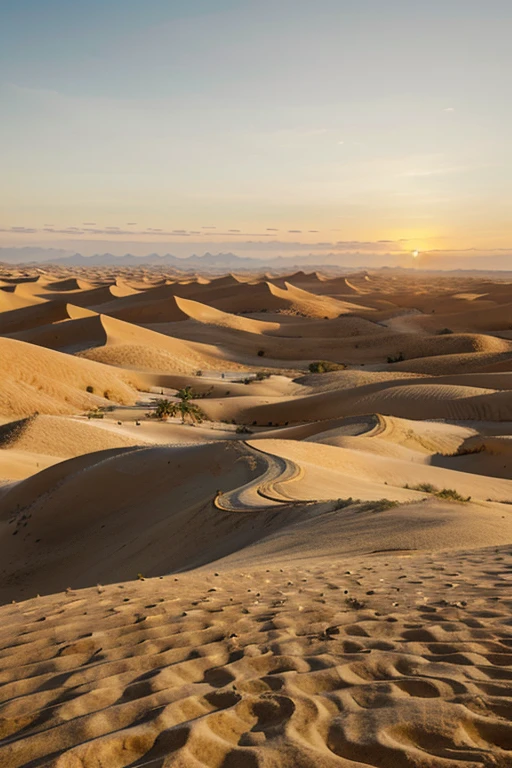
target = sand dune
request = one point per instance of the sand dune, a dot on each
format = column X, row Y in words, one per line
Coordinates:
column 409, row 401
column 10, row 301
column 143, row 524
column 59, row 436
column 69, row 284
column 309, row 304
column 38, row 379
column 51, row 534
column 95, row 296
column 333, row 471
column 314, row 576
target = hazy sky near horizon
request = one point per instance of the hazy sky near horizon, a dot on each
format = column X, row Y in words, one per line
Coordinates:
column 300, row 121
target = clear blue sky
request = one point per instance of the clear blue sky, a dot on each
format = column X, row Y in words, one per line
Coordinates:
column 361, row 120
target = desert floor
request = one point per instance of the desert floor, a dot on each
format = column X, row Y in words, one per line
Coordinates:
column 318, row 573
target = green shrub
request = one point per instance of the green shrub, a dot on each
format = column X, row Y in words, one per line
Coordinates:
column 379, row 505
column 424, row 488
column 445, row 493
column 343, row 503
column 452, row 495
column 325, row 366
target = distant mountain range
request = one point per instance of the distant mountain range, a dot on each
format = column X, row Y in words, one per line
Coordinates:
column 220, row 263
column 208, row 261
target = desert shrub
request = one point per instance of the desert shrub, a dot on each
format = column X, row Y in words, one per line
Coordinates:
column 261, row 352
column 423, row 487
column 261, row 375
column 445, row 493
column 379, row 505
column 444, row 331
column 396, row 359
column 199, row 373
column 452, row 495
column 343, row 503
column 95, row 415
column 89, row 389
column 325, row 366
column 243, row 430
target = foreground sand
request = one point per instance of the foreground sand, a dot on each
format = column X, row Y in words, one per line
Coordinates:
column 398, row 659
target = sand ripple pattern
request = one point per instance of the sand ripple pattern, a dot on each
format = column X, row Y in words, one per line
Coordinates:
column 392, row 661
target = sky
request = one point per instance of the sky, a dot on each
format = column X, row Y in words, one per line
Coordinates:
column 298, row 126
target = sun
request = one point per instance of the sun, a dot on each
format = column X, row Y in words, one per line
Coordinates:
column 415, row 254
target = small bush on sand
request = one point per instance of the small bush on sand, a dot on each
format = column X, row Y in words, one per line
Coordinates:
column 396, row 359
column 423, row 487
column 95, row 415
column 89, row 389
column 261, row 352
column 379, row 505
column 452, row 495
column 444, row 331
column 243, row 430
column 325, row 366
column 343, row 503
column 445, row 493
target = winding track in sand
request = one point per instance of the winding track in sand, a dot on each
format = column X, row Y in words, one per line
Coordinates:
column 246, row 498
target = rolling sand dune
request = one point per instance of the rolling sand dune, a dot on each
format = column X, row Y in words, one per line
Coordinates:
column 125, row 344
column 422, row 401
column 10, row 301
column 92, row 297
column 32, row 316
column 309, row 304
column 488, row 317
column 317, row 575
column 69, row 284
column 347, row 347
column 38, row 379
column 400, row 438
column 462, row 362
column 349, row 473
column 484, row 455
column 59, row 436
